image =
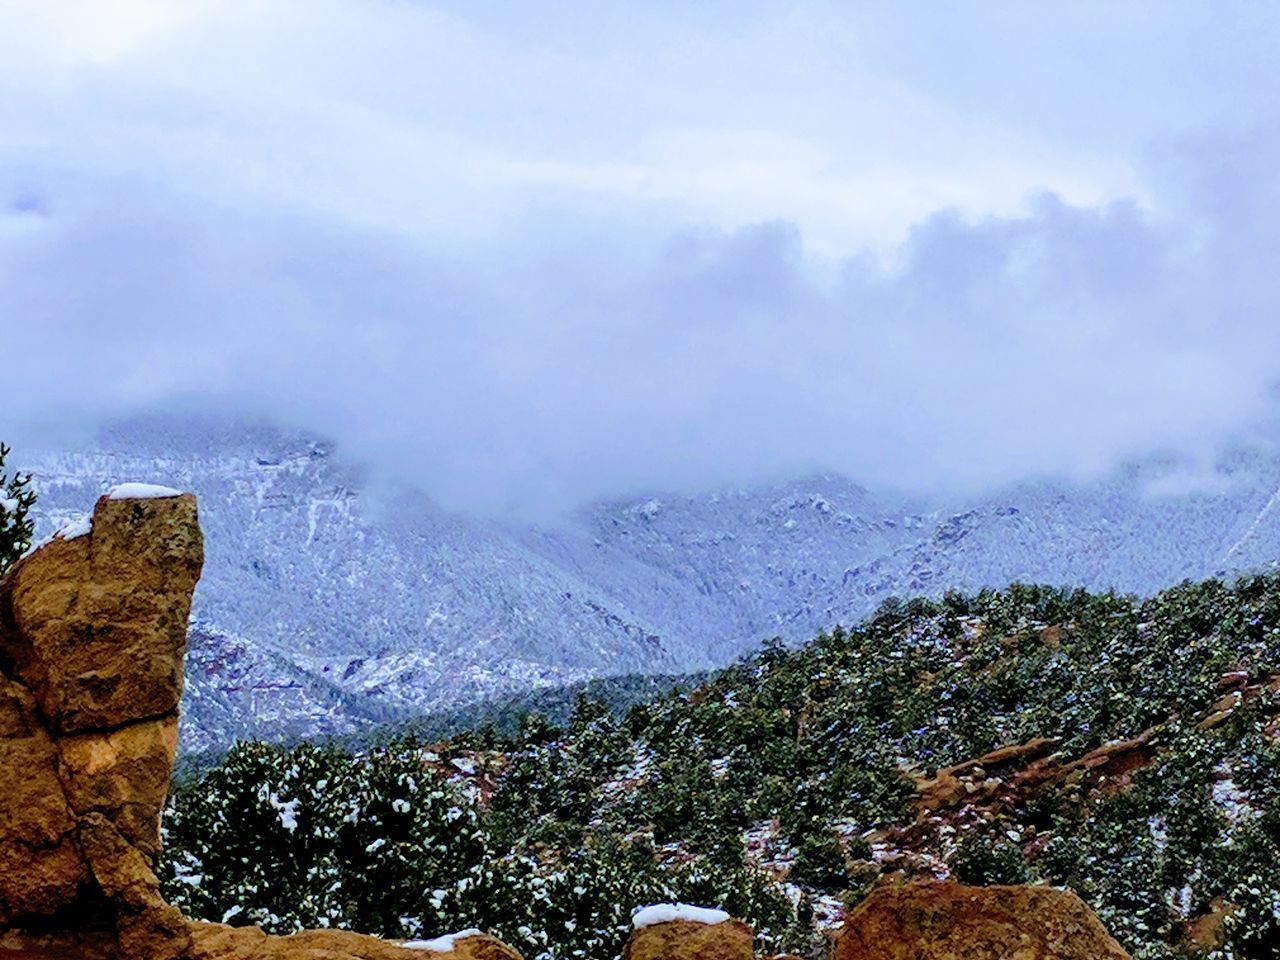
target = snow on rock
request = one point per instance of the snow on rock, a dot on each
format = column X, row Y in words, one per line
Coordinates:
column 141, row 491
column 667, row 912
column 75, row 529
column 441, row 944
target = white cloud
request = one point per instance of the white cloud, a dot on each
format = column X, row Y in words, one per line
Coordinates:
column 546, row 257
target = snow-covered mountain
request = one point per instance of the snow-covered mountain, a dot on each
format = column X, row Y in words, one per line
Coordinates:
column 324, row 608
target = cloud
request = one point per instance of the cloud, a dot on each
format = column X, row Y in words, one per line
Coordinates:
column 524, row 267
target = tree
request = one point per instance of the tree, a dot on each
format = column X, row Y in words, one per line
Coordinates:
column 16, row 500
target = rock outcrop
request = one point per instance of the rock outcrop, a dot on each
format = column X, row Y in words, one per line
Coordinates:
column 92, row 634
column 690, row 940
column 950, row 921
column 1010, row 775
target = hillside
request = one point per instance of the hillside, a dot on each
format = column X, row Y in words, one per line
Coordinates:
column 331, row 603
column 1126, row 749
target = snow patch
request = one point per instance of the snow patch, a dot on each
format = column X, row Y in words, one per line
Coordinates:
column 667, row 912
column 141, row 491
column 1229, row 798
column 76, row 528
column 288, row 810
column 1252, row 528
column 441, row 944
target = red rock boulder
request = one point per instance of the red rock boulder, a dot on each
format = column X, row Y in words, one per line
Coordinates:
column 950, row 921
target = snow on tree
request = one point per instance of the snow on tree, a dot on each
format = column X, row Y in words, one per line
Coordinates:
column 16, row 500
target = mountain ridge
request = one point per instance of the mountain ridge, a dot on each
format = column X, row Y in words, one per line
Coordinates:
column 327, row 609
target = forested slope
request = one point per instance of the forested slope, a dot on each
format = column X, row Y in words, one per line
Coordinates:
column 1135, row 761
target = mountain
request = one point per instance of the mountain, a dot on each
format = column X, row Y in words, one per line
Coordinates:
column 328, row 608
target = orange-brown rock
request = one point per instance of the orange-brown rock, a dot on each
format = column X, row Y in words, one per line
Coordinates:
column 1010, row 775
column 1207, row 932
column 215, row 941
column 212, row 941
column 949, row 921
column 974, row 778
column 41, row 869
column 123, row 773
column 58, row 945
column 687, row 940
column 92, row 635
column 99, row 622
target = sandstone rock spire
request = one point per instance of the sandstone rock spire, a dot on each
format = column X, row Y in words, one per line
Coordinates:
column 92, row 635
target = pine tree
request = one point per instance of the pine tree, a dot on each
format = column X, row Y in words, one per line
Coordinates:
column 16, row 500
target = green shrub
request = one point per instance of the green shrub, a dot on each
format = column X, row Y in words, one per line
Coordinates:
column 982, row 861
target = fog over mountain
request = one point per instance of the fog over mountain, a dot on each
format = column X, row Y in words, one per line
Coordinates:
column 326, row 607
column 526, row 262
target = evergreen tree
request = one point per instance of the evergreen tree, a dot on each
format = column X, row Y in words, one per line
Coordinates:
column 16, row 526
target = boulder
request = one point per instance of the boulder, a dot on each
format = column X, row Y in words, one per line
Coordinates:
column 1207, row 932
column 691, row 940
column 950, row 921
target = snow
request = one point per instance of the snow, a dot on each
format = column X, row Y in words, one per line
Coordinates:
column 667, row 912
column 76, row 528
column 440, row 944
column 288, row 810
column 1229, row 798
column 289, row 815
column 1257, row 522
column 8, row 505
column 141, row 491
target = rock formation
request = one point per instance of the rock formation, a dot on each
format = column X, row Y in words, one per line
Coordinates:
column 690, row 940
column 950, row 921
column 92, row 633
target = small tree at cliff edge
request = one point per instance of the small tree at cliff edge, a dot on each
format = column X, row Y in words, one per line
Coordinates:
column 16, row 527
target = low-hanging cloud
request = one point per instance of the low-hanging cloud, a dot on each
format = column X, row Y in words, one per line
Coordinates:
column 574, row 348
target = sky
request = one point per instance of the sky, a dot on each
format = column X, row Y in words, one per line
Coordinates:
column 527, row 255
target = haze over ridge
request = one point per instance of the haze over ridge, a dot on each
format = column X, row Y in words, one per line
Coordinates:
column 917, row 250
